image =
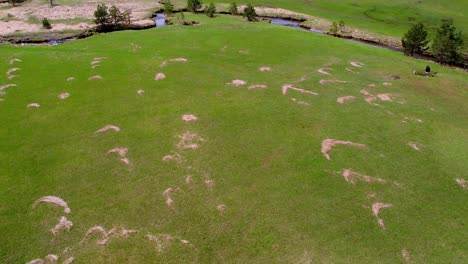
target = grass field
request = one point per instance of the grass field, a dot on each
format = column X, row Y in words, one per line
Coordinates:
column 391, row 18
column 284, row 201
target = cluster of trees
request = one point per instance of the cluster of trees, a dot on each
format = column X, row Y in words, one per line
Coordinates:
column 447, row 44
column 194, row 5
column 111, row 18
column 337, row 29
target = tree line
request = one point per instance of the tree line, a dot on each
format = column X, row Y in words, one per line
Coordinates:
column 447, row 45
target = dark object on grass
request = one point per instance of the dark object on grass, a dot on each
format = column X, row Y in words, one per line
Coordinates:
column 46, row 23
column 428, row 70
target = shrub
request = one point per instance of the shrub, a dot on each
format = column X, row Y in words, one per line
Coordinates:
column 249, row 13
column 193, row 5
column 168, row 8
column 414, row 41
column 233, row 9
column 447, row 44
column 101, row 15
column 46, row 23
column 211, row 10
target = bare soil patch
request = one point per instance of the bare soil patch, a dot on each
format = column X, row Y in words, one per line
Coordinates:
column 159, row 76
column 52, row 200
column 257, row 86
column 264, row 69
column 108, row 128
column 238, row 82
column 189, row 117
column 328, row 144
column 344, row 99
column 287, row 87
column 64, row 223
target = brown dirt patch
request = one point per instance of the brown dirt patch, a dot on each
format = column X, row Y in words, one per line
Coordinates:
column 189, row 117
column 63, row 96
column 209, row 183
column 189, row 141
column 36, row 261
column 34, row 105
column 414, row 146
column 164, row 63
column 324, row 71
column 63, row 224
column 95, row 77
column 6, row 86
column 12, row 61
column 69, row 260
column 287, row 87
column 52, row 200
column 238, row 82
column 70, row 79
column 188, row 179
column 331, row 81
column 385, row 97
column 344, row 99
column 257, row 86
column 386, row 84
column 125, row 161
column 357, row 64
column 462, row 182
column 328, row 144
column 264, row 69
column 108, row 128
column 405, row 254
column 372, row 85
column 221, row 207
column 140, row 92
column 175, row 157
column 159, row 76
column 10, row 71
column 376, row 207
column 352, row 177
column 244, row 52
column 120, row 151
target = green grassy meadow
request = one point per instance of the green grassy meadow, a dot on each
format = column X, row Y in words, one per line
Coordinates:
column 392, row 18
column 285, row 202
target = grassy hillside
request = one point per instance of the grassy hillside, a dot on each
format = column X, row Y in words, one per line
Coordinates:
column 260, row 155
column 392, row 18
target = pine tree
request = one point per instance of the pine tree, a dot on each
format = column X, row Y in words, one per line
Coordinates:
column 249, row 13
column 101, row 15
column 233, row 9
column 414, row 41
column 46, row 23
column 211, row 10
column 193, row 5
column 447, row 44
column 168, row 8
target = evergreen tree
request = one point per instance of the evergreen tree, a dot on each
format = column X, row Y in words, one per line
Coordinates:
column 447, row 44
column 46, row 23
column 101, row 15
column 233, row 9
column 211, row 10
column 115, row 16
column 249, row 13
column 193, row 5
column 414, row 41
column 168, row 8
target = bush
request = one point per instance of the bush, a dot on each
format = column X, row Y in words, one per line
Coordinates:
column 249, row 13
column 110, row 19
column 168, row 8
column 414, row 41
column 211, row 10
column 447, row 44
column 101, row 15
column 193, row 5
column 337, row 29
column 233, row 9
column 46, row 23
